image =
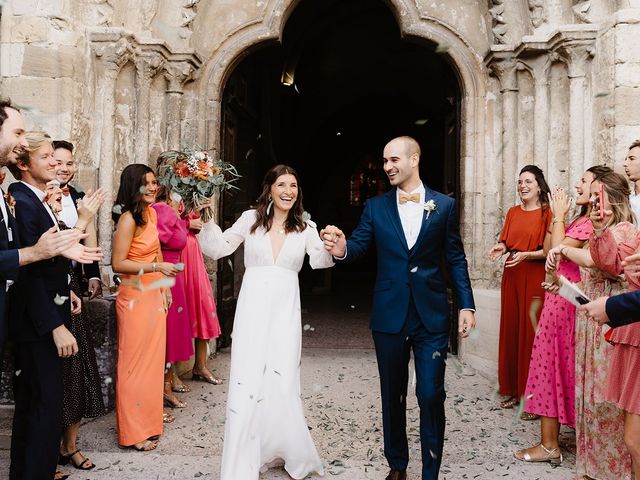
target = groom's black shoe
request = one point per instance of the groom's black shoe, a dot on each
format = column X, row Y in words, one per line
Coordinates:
column 397, row 475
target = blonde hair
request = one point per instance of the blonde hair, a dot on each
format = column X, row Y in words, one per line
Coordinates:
column 35, row 140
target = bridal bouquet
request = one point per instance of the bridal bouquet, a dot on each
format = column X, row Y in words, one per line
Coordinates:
column 195, row 175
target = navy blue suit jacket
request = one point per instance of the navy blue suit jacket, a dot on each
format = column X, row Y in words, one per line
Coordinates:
column 9, row 266
column 33, row 313
column 623, row 309
column 416, row 272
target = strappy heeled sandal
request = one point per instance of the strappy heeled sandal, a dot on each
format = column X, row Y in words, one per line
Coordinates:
column 65, row 459
column 198, row 377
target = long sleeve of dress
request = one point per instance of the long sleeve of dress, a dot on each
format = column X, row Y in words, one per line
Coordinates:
column 609, row 250
column 217, row 244
column 318, row 256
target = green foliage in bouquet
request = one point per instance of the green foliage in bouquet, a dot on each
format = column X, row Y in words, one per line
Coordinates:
column 195, row 175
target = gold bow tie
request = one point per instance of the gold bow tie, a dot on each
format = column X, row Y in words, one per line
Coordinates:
column 414, row 197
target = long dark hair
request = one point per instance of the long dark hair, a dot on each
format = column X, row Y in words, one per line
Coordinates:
column 129, row 199
column 264, row 219
column 542, row 183
column 597, row 171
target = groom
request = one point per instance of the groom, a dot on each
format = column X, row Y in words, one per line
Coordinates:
column 414, row 228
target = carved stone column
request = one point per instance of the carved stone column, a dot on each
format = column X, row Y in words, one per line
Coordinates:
column 577, row 62
column 506, row 73
column 110, row 57
column 177, row 74
column 148, row 64
column 541, row 113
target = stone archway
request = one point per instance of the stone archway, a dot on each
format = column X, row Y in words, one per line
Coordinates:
column 413, row 25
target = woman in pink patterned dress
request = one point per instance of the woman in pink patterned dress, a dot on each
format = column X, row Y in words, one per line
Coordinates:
column 623, row 382
column 550, row 391
column 600, row 449
column 200, row 301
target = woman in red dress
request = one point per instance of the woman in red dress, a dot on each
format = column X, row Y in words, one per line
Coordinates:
column 522, row 239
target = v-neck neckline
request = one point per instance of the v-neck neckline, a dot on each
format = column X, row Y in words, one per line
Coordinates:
column 275, row 257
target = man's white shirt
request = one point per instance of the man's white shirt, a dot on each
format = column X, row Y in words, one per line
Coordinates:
column 411, row 215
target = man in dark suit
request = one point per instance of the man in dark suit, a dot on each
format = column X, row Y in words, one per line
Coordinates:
column 50, row 244
column 63, row 154
column 413, row 228
column 39, row 306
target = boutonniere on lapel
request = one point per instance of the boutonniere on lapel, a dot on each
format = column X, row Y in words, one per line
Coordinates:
column 11, row 203
column 429, row 207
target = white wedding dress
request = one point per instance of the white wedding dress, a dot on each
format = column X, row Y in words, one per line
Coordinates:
column 264, row 418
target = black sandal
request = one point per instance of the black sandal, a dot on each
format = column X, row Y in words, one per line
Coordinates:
column 65, row 459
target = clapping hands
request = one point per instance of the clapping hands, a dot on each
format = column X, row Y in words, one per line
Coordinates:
column 559, row 202
column 334, row 240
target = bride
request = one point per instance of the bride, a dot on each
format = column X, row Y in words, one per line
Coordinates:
column 265, row 421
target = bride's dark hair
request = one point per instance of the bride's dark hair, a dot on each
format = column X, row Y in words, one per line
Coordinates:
column 264, row 214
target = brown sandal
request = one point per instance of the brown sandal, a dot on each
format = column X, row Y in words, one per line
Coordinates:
column 529, row 417
column 509, row 403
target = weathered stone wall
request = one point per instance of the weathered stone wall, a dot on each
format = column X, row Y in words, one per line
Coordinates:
column 550, row 82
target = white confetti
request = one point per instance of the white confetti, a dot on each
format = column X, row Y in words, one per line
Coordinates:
column 18, row 372
column 59, row 299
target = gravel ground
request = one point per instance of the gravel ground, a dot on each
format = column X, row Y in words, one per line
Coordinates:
column 340, row 391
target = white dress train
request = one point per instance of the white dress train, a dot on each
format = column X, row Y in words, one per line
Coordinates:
column 264, row 417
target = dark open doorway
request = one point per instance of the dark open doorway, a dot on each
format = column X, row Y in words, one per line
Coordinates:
column 326, row 100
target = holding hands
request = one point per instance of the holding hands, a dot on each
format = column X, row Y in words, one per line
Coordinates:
column 334, row 241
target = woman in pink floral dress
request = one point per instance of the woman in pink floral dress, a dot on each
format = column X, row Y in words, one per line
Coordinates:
column 600, row 449
column 550, row 391
column 623, row 382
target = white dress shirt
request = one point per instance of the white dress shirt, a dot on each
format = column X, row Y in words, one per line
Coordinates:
column 411, row 214
column 5, row 217
column 69, row 214
column 634, row 200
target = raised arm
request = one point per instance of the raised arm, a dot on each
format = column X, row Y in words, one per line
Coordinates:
column 319, row 257
column 216, row 244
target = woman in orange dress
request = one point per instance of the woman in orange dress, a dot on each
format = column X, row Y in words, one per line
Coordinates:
column 140, row 310
column 522, row 239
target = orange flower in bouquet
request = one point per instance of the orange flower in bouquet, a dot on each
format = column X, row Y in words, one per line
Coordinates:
column 195, row 175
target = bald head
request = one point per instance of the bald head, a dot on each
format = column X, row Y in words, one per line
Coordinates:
column 401, row 163
column 409, row 144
